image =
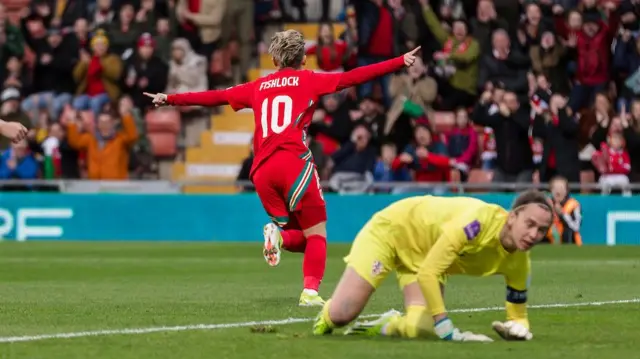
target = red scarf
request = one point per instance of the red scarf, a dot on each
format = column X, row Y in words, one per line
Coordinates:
column 95, row 86
column 461, row 48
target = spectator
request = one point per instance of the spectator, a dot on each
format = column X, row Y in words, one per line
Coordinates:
column 377, row 30
column 350, row 37
column 509, row 10
column 331, row 125
column 462, row 143
column 141, row 153
column 567, row 216
column 510, row 123
column 592, row 47
column 63, row 158
column 16, row 75
column 107, row 149
column 80, row 35
column 626, row 61
column 11, row 39
column 10, row 112
column 533, row 26
column 124, row 32
column 600, row 113
column 631, row 125
column 623, row 124
column 239, row 16
column 502, row 65
column 165, row 34
column 373, row 118
column 384, row 171
column 613, row 163
column 448, row 12
column 144, row 72
column 456, row 63
column 407, row 30
column 411, row 88
column 489, row 154
column 573, row 23
column 549, row 58
column 34, row 26
column 208, row 19
column 146, row 18
column 331, row 54
column 187, row 70
column 97, row 76
column 300, row 6
column 319, row 158
column 559, row 132
column 485, row 23
column 41, row 131
column 353, row 164
column 425, row 157
column 104, row 13
column 18, row 162
column 65, row 13
column 53, row 77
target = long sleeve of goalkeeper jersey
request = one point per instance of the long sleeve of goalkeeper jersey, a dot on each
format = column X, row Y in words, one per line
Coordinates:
column 438, row 260
column 326, row 83
column 238, row 97
column 517, row 280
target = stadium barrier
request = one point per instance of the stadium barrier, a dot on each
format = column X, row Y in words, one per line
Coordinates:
column 610, row 220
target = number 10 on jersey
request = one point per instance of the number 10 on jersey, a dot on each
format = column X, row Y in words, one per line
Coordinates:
column 271, row 118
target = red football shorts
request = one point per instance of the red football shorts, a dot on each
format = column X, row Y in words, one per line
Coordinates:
column 290, row 192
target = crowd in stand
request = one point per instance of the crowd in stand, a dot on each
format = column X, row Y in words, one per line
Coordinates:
column 74, row 72
column 536, row 89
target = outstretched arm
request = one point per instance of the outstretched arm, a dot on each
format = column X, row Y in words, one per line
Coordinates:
column 238, row 97
column 330, row 83
column 364, row 74
column 205, row 98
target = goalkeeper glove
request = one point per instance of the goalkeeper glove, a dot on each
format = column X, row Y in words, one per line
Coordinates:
column 512, row 330
column 445, row 330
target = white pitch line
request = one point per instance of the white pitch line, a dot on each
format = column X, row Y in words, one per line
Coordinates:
column 181, row 328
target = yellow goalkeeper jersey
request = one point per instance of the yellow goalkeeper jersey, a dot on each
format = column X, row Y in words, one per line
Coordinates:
column 438, row 236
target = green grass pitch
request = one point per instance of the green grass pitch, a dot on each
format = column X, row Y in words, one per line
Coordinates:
column 55, row 288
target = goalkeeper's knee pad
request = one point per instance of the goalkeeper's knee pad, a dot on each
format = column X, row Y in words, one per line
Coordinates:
column 416, row 323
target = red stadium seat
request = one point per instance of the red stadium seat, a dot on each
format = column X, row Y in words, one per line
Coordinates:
column 478, row 176
column 163, row 144
column 164, row 120
column 16, row 5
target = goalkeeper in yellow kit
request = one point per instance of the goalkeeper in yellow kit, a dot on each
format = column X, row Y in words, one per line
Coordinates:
column 425, row 239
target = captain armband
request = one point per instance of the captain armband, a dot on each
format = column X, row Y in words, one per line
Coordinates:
column 516, row 296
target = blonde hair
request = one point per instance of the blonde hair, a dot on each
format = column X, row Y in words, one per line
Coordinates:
column 287, row 48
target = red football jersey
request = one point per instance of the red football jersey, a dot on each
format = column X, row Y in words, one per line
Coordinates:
column 283, row 104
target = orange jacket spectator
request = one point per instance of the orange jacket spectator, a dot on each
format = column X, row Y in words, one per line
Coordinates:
column 107, row 155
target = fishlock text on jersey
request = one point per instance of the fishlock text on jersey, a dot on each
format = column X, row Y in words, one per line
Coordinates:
column 280, row 82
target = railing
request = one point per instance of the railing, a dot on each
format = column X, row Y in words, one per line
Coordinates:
column 159, row 186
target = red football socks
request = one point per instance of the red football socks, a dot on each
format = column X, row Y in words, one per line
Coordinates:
column 313, row 265
column 293, row 241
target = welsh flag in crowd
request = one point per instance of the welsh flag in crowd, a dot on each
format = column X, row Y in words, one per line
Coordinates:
column 52, row 158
